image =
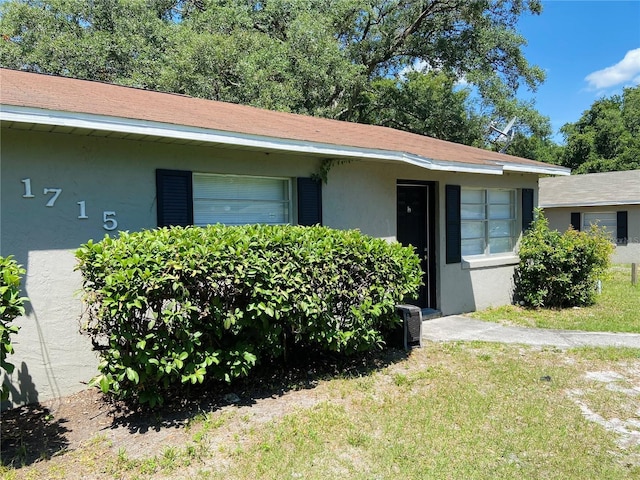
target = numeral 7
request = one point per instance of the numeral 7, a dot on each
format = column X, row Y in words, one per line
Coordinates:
column 56, row 193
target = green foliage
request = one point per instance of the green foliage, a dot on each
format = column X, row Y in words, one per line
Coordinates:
column 11, row 306
column 606, row 137
column 560, row 270
column 328, row 58
column 174, row 306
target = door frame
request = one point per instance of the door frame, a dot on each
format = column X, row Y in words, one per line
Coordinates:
column 431, row 287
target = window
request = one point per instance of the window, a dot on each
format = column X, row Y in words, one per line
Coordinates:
column 487, row 221
column 239, row 199
column 186, row 198
column 601, row 219
column 614, row 223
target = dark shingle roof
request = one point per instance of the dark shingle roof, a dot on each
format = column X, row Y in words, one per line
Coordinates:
column 610, row 188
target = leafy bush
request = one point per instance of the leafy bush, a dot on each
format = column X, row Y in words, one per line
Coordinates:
column 11, row 306
column 558, row 270
column 176, row 305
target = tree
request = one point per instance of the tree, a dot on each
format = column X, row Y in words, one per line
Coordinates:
column 333, row 58
column 606, row 137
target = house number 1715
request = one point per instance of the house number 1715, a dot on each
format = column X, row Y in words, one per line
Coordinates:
column 109, row 221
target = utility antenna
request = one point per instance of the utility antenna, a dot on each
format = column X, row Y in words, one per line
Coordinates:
column 503, row 139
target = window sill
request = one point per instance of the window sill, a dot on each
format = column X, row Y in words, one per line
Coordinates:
column 469, row 263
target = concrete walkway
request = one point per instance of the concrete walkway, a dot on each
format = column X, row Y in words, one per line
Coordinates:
column 458, row 327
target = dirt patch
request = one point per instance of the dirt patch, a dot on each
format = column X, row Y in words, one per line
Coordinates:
column 46, row 429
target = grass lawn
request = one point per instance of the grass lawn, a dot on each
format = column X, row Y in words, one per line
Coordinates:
column 617, row 309
column 454, row 411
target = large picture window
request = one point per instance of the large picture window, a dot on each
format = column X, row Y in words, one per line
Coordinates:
column 187, row 198
column 487, row 221
column 240, row 199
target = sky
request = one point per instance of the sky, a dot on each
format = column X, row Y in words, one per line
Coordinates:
column 589, row 49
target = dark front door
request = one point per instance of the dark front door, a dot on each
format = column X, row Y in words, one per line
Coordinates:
column 416, row 227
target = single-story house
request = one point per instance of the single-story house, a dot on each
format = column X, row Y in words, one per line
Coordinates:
column 610, row 199
column 82, row 159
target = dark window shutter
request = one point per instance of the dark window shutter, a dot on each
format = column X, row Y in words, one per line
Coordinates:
column 174, row 191
column 623, row 231
column 309, row 201
column 575, row 221
column 452, row 214
column 527, row 208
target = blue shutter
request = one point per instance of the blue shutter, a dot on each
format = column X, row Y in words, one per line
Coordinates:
column 575, row 221
column 309, row 201
column 622, row 229
column 527, row 208
column 452, row 215
column 174, row 193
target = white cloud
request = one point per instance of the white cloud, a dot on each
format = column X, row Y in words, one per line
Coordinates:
column 627, row 69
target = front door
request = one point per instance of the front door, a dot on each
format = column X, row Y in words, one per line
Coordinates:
column 416, row 227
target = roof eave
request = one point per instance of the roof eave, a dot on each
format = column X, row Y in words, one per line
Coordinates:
column 30, row 115
column 539, row 169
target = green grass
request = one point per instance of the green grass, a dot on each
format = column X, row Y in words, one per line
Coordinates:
column 456, row 411
column 616, row 310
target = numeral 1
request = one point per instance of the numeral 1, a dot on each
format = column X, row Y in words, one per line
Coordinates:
column 83, row 209
column 27, row 188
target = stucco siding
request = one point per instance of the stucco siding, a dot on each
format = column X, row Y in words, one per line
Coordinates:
column 560, row 219
column 101, row 176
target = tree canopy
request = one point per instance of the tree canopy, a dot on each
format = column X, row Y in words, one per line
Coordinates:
column 401, row 63
column 606, row 137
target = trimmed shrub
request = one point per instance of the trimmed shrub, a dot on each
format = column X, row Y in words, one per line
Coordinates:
column 11, row 306
column 178, row 305
column 559, row 270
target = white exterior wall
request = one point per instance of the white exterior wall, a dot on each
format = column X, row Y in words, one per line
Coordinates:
column 115, row 175
column 560, row 219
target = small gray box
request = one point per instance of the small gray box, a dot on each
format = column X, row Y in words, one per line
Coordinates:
column 412, row 325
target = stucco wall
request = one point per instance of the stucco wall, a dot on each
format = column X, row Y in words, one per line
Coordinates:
column 118, row 175
column 560, row 219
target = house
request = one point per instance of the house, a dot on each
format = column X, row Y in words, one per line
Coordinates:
column 611, row 200
column 81, row 160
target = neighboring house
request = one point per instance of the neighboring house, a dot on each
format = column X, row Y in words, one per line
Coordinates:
column 83, row 159
column 611, row 200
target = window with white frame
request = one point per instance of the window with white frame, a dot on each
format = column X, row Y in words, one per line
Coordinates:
column 488, row 221
column 240, row 199
column 606, row 220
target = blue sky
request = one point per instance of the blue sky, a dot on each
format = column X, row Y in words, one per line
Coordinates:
column 588, row 49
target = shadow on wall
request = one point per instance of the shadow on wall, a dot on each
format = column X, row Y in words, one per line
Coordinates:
column 32, row 344
column 22, row 391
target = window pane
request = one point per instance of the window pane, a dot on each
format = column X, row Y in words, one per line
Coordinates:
column 500, row 211
column 239, row 200
column 472, row 230
column 472, row 212
column 500, row 197
column 473, row 247
column 500, row 228
column 500, row 245
column 471, row 196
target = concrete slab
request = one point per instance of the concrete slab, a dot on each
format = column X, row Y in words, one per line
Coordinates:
column 459, row 327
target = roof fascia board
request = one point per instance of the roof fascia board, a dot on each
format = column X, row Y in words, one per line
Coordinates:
column 550, row 170
column 445, row 166
column 617, row 203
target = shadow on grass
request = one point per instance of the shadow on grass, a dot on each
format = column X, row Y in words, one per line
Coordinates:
column 302, row 371
column 30, row 433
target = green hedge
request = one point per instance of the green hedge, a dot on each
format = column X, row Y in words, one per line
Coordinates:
column 170, row 306
column 11, row 306
column 559, row 270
